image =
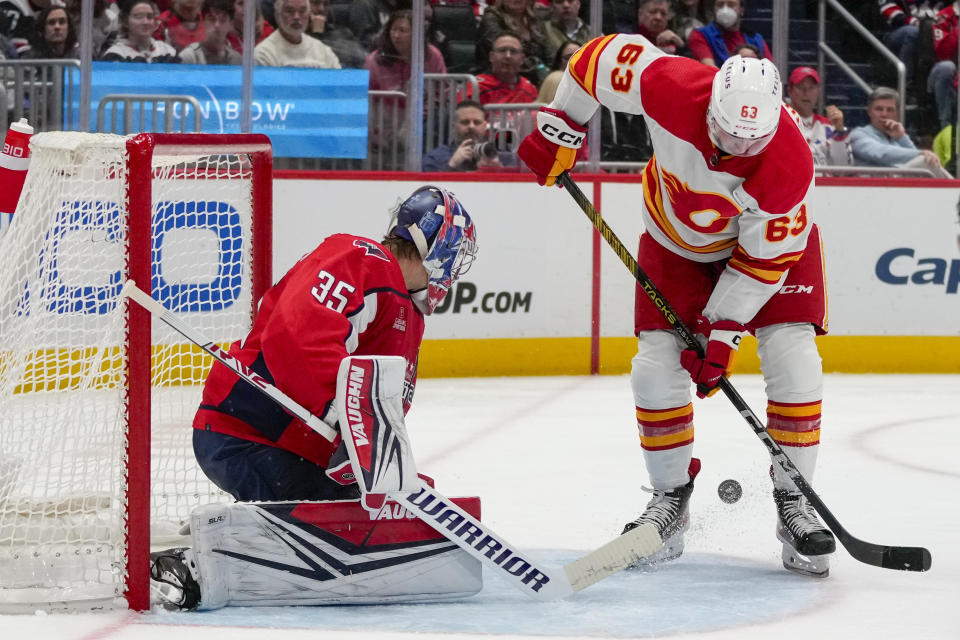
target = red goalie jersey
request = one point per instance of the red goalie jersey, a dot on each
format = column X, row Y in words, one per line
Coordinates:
column 347, row 297
column 699, row 203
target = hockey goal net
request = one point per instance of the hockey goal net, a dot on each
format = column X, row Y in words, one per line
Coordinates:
column 95, row 404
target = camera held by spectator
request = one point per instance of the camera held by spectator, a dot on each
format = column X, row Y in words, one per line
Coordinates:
column 484, row 149
column 471, row 146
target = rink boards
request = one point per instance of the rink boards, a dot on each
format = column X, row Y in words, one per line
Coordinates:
column 548, row 296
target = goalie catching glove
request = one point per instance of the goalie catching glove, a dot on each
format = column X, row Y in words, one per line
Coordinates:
column 552, row 148
column 723, row 340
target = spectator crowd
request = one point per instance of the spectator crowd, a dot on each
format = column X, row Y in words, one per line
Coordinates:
column 521, row 49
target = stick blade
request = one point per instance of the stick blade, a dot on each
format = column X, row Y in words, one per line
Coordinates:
column 887, row 556
column 906, row 558
column 616, row 555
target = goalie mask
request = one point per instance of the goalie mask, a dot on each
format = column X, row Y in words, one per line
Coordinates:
column 435, row 221
column 744, row 106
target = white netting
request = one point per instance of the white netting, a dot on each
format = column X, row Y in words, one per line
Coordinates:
column 63, row 417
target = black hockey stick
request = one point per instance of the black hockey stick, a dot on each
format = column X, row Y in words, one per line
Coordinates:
column 888, row 557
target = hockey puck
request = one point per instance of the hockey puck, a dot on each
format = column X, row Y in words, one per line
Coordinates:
column 730, row 491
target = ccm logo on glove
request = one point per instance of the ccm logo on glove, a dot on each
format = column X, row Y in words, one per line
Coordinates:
column 557, row 128
column 552, row 148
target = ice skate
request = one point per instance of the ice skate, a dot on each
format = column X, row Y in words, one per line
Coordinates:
column 806, row 542
column 173, row 580
column 668, row 512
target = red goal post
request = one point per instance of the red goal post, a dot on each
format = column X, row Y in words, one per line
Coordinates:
column 95, row 403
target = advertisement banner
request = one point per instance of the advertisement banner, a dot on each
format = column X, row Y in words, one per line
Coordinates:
column 891, row 255
column 308, row 113
column 892, row 261
column 533, row 271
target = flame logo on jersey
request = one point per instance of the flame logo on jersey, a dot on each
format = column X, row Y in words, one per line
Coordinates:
column 705, row 212
column 702, row 211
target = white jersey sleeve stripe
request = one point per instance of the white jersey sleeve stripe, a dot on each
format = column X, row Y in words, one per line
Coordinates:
column 360, row 320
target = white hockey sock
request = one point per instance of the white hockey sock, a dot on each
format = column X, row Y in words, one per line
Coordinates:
column 794, row 384
column 661, row 393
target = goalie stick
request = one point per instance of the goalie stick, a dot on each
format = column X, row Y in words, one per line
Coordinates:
column 524, row 572
column 878, row 555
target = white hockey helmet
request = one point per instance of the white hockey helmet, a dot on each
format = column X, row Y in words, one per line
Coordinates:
column 744, row 106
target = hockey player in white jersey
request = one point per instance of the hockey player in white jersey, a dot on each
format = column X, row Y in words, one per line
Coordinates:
column 730, row 242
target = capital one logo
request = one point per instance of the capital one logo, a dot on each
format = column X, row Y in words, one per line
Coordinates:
column 81, row 268
column 900, row 267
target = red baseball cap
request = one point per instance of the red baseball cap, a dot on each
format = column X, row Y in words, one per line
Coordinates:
column 800, row 73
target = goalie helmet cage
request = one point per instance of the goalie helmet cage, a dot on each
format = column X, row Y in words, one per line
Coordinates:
column 95, row 403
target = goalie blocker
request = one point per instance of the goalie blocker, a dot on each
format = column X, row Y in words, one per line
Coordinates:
column 375, row 450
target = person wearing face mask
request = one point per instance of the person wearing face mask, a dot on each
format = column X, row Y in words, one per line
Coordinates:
column 728, row 222
column 715, row 42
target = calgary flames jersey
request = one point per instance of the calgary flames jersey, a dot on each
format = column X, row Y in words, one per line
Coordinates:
column 697, row 202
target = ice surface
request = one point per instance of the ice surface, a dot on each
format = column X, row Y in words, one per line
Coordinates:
column 558, row 465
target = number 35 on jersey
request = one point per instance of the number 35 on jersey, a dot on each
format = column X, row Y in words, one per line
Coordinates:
column 331, row 292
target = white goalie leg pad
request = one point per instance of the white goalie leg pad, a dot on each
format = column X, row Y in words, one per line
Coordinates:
column 793, row 373
column 279, row 554
column 369, row 401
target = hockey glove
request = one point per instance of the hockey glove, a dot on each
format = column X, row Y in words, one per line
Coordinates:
column 723, row 340
column 552, row 148
column 339, row 468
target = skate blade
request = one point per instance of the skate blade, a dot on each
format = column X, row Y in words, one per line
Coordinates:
column 813, row 566
column 166, row 596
